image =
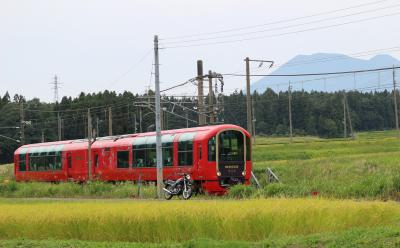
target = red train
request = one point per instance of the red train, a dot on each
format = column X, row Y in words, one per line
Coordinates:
column 215, row 156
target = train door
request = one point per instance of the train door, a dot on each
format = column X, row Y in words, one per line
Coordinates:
column 200, row 163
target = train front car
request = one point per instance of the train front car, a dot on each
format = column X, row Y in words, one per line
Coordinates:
column 229, row 154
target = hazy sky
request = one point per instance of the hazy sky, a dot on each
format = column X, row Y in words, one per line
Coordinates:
column 91, row 45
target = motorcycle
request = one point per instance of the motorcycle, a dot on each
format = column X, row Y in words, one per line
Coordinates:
column 182, row 186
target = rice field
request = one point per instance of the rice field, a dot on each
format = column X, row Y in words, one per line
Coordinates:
column 176, row 221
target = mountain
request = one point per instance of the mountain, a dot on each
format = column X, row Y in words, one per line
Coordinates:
column 329, row 62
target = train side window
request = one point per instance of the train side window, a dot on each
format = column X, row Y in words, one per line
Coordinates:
column 22, row 162
column 185, row 153
column 123, row 159
column 168, row 153
column 139, row 157
column 212, row 149
column 151, row 155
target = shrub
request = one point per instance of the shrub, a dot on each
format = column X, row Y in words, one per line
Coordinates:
column 241, row 191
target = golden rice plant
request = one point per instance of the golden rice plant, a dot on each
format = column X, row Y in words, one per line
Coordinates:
column 155, row 221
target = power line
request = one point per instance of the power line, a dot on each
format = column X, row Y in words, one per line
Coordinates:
column 285, row 33
column 283, row 27
column 131, row 68
column 276, row 22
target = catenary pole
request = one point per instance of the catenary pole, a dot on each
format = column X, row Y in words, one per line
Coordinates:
column 396, row 114
column 211, row 98
column 248, row 98
column 110, row 127
column 344, row 116
column 89, row 123
column 22, row 122
column 59, row 125
column 200, row 92
column 290, row 113
column 158, row 120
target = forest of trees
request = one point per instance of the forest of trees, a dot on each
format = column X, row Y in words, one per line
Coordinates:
column 313, row 113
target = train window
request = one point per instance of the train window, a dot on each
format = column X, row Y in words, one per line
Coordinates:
column 45, row 161
column 231, row 146
column 212, row 149
column 168, row 154
column 151, row 155
column 185, row 149
column 139, row 152
column 144, row 151
column 248, row 149
column 185, row 153
column 22, row 162
column 123, row 159
column 139, row 157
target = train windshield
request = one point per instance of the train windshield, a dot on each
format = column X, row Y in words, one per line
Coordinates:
column 231, row 146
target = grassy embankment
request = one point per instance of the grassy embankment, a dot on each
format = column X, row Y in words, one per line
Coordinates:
column 179, row 221
column 367, row 167
column 358, row 237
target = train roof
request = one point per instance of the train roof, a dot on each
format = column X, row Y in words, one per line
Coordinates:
column 121, row 140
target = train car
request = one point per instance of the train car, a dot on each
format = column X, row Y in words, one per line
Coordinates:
column 215, row 156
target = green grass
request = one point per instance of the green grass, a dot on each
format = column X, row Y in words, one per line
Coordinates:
column 367, row 167
column 358, row 237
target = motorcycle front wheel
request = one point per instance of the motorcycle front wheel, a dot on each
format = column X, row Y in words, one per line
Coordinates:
column 167, row 195
column 186, row 194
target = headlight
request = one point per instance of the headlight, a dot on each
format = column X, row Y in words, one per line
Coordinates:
column 244, row 173
column 218, row 173
column 188, row 177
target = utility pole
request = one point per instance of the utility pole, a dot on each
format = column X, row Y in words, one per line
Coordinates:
column 211, row 98
column 396, row 114
column 97, row 126
column 89, row 127
column 344, row 116
column 110, row 128
column 349, row 117
column 248, row 98
column 254, row 121
column 187, row 118
column 135, row 123
column 59, row 125
column 140, row 120
column 158, row 121
column 22, row 122
column 200, row 98
column 248, row 91
column 162, row 118
column 290, row 113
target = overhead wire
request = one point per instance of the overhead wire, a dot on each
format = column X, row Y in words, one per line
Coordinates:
column 277, row 22
column 283, row 34
column 283, row 27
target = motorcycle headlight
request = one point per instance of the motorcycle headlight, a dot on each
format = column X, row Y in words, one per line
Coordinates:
column 244, row 173
column 218, row 173
column 188, row 177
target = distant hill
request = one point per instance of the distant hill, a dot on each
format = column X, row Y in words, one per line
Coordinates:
column 328, row 62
